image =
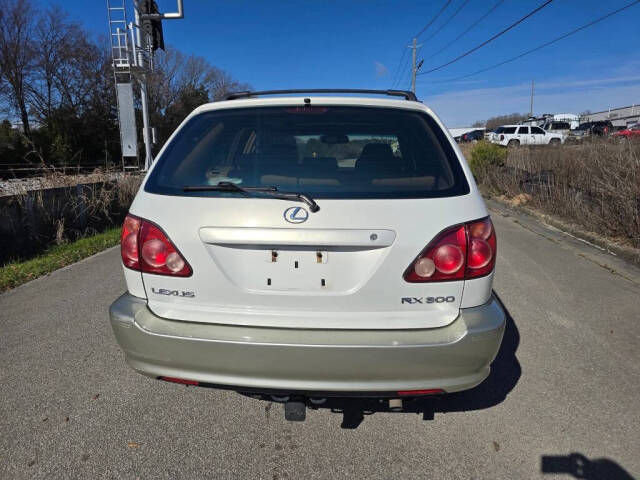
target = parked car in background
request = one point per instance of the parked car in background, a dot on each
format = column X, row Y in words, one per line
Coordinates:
column 632, row 131
column 588, row 129
column 472, row 136
column 602, row 127
column 494, row 136
column 516, row 135
column 579, row 134
column 562, row 128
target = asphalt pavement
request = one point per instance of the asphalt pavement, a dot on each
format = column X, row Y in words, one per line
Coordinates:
column 563, row 399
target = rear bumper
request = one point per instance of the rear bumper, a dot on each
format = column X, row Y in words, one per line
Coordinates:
column 452, row 358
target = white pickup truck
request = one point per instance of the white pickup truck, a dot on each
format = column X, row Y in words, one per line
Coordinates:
column 516, row 135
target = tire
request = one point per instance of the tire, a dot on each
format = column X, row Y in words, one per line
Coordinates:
column 513, row 143
column 554, row 141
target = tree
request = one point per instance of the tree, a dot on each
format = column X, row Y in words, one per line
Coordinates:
column 58, row 80
column 17, row 53
column 12, row 143
column 70, row 92
column 179, row 84
column 494, row 122
column 189, row 98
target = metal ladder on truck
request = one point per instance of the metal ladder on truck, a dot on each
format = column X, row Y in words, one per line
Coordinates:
column 122, row 56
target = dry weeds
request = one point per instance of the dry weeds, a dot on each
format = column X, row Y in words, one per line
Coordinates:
column 41, row 218
column 596, row 185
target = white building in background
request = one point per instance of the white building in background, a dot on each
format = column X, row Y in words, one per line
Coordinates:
column 619, row 117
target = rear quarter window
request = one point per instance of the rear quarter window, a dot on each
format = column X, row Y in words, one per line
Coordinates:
column 326, row 152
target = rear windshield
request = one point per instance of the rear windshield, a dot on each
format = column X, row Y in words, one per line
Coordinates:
column 330, row 152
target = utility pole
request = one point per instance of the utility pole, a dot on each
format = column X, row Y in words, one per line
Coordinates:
column 414, row 68
column 531, row 105
column 142, row 79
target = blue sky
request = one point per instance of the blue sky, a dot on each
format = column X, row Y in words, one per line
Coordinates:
column 358, row 44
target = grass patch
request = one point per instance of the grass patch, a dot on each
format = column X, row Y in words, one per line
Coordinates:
column 17, row 273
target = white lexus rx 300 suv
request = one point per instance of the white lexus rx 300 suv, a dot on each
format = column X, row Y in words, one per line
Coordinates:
column 310, row 246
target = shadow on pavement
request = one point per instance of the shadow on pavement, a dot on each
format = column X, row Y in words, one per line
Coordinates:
column 505, row 373
column 579, row 466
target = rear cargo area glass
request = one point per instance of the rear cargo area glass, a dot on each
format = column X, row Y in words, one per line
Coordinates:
column 324, row 151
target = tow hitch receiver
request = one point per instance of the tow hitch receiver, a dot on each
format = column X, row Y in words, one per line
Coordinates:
column 295, row 411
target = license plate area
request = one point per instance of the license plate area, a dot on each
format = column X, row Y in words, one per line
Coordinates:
column 298, row 268
column 295, row 269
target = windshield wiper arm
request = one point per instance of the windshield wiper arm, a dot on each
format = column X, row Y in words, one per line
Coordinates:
column 226, row 187
column 268, row 190
column 296, row 196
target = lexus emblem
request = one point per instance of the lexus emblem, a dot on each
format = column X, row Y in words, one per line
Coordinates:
column 296, row 215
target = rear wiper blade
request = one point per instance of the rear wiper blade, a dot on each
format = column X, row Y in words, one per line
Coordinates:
column 267, row 190
column 226, row 187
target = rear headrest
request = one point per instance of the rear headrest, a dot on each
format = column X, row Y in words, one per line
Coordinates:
column 283, row 150
column 375, row 153
column 379, row 154
column 269, row 163
column 283, row 146
column 319, row 164
column 278, row 164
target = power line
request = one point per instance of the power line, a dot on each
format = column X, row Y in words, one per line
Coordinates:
column 405, row 75
column 459, row 57
column 444, row 7
column 464, row 3
column 395, row 75
column 402, row 70
column 550, row 42
column 397, row 79
column 498, row 3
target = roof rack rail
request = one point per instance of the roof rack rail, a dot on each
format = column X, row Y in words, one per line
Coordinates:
column 394, row 93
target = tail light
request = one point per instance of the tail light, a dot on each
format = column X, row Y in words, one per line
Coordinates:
column 145, row 247
column 461, row 252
